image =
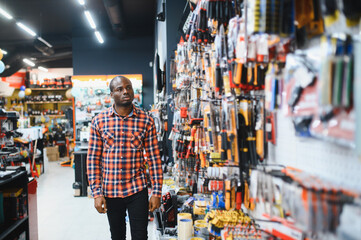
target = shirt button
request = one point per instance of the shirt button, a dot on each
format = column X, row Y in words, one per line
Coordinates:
column 121, row 157
column 122, row 132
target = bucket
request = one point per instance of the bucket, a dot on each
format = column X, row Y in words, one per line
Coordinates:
column 201, row 230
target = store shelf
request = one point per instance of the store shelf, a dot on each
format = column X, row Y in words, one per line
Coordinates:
column 12, row 227
column 61, row 115
column 48, row 102
column 48, row 89
column 14, row 177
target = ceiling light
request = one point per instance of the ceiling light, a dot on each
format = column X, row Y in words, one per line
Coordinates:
column 81, row 2
column 90, row 19
column 45, row 42
column 99, row 37
column 26, row 29
column 4, row 52
column 27, row 61
column 43, row 69
column 5, row 14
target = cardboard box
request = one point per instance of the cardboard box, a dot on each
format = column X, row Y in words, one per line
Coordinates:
column 52, row 150
column 52, row 153
column 53, row 157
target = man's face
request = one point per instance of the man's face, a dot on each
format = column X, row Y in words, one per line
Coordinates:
column 122, row 93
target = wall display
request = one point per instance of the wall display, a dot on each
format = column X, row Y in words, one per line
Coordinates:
column 238, row 68
column 92, row 93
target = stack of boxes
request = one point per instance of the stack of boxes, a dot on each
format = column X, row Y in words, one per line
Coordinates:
column 52, row 153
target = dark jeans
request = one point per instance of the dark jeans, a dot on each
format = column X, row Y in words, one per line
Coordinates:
column 137, row 206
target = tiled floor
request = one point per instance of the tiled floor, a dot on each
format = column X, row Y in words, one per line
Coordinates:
column 61, row 216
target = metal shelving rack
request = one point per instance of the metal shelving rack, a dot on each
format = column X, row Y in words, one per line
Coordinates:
column 14, row 229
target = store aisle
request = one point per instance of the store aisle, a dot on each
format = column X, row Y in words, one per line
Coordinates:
column 64, row 217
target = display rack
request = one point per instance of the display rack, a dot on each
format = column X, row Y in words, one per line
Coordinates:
column 335, row 163
column 49, row 89
column 16, row 228
column 52, row 116
column 52, row 105
column 48, row 102
column 295, row 146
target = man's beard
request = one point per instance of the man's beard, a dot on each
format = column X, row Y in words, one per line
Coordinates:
column 125, row 104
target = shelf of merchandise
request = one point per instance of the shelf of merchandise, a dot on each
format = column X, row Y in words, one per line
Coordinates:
column 53, row 116
column 13, row 227
column 48, row 89
column 17, row 180
column 49, row 102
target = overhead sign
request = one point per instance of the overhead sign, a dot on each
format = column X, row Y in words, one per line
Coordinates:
column 16, row 80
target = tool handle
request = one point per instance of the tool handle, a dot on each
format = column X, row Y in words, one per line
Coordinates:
column 228, row 195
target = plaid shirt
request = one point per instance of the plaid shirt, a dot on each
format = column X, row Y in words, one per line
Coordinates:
column 115, row 163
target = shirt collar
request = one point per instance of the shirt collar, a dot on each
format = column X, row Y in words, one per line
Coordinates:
column 134, row 112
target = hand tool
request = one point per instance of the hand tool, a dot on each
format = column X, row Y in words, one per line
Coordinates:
column 260, row 130
column 226, row 75
column 224, row 138
column 190, row 150
column 228, row 194
column 218, row 71
column 232, row 132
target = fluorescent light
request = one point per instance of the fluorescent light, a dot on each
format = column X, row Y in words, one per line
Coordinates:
column 43, row 69
column 45, row 42
column 5, row 14
column 27, row 61
column 90, row 19
column 81, row 2
column 99, row 37
column 26, row 29
column 4, row 52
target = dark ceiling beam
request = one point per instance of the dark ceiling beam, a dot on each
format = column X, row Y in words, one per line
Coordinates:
column 56, row 56
column 115, row 14
column 15, row 60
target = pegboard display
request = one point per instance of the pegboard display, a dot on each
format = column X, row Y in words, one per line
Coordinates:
column 257, row 79
column 332, row 162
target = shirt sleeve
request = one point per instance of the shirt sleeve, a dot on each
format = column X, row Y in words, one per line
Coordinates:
column 94, row 160
column 153, row 158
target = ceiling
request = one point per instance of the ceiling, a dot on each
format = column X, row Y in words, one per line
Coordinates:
column 58, row 21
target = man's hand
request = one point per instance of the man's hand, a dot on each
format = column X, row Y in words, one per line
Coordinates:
column 100, row 204
column 154, row 203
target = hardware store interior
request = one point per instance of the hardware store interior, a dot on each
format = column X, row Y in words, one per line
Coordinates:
column 255, row 107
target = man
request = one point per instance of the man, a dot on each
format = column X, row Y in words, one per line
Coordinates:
column 116, row 165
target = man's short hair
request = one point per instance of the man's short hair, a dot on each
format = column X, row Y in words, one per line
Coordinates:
column 111, row 84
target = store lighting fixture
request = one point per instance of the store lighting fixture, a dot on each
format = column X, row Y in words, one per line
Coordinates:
column 43, row 69
column 27, row 61
column 5, row 14
column 90, row 19
column 91, row 22
column 4, row 52
column 26, row 29
column 45, row 42
column 99, row 37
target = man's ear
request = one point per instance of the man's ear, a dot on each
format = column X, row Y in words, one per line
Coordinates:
column 111, row 94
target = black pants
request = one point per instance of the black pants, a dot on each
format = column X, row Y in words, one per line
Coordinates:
column 137, row 206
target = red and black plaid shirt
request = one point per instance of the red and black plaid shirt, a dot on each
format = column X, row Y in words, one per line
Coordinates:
column 115, row 164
